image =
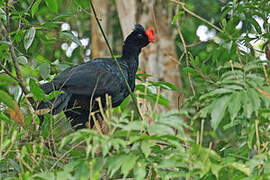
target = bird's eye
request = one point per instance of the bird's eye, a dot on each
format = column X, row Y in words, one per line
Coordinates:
column 139, row 35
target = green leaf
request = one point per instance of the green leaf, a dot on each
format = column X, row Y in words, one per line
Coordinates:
column 3, row 14
column 189, row 70
column 240, row 167
column 114, row 163
column 247, row 106
column 161, row 129
column 6, row 99
column 5, row 42
column 219, row 111
column 72, row 38
column 44, row 70
column 3, row 117
column 7, row 79
column 216, row 92
column 62, row 16
column 129, row 163
column 254, row 99
column 36, row 90
column 235, row 105
column 164, row 85
column 29, row 37
column 255, row 25
column 139, row 170
column 35, row 7
column 22, row 60
column 146, row 147
column 176, row 16
column 52, row 5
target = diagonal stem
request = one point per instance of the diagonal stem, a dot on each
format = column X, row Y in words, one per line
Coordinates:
column 119, row 67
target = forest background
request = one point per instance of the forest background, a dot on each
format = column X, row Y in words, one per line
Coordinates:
column 202, row 89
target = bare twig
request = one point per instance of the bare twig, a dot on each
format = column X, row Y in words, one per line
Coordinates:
column 185, row 53
column 197, row 16
column 66, row 153
column 12, row 52
column 116, row 62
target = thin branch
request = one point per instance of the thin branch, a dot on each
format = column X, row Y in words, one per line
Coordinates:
column 185, row 52
column 119, row 67
column 8, row 72
column 13, row 54
column 197, row 16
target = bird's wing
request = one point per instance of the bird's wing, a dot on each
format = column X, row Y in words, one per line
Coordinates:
column 97, row 77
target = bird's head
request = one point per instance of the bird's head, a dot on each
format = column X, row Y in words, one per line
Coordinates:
column 139, row 37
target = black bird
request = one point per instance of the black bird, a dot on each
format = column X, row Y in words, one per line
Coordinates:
column 82, row 84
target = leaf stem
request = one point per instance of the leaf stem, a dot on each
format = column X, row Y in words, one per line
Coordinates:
column 119, row 67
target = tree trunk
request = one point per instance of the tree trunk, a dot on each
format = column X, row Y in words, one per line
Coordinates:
column 127, row 14
column 98, row 45
column 158, row 59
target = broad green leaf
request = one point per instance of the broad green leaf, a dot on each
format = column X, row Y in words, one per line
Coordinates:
column 29, row 37
column 35, row 7
column 7, row 79
column 45, row 70
column 255, row 99
column 6, row 99
column 139, row 170
column 161, row 129
column 129, row 163
column 146, row 147
column 22, row 60
column 240, row 167
column 219, row 111
column 235, row 105
column 36, row 90
column 114, row 163
column 52, row 5
column 72, row 38
column 215, row 168
column 216, row 92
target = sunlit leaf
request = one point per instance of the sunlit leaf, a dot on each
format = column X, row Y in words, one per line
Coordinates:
column 219, row 111
column 29, row 37
column 44, row 70
column 52, row 5
column 22, row 60
column 129, row 163
column 72, row 38
column 235, row 105
column 35, row 7
column 6, row 99
column 176, row 16
column 36, row 90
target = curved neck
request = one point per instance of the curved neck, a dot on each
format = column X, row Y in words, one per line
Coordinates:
column 130, row 50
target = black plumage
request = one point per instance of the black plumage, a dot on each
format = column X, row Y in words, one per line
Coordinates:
column 82, row 84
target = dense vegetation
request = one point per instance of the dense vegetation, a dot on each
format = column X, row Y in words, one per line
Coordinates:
column 220, row 131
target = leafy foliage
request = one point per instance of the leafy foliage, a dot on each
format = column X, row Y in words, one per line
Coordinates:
column 221, row 130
